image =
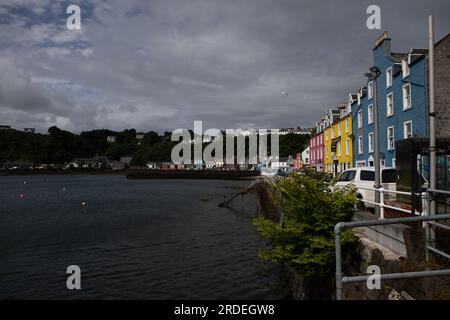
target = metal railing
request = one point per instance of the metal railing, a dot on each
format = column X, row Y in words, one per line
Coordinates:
column 341, row 278
column 429, row 223
column 383, row 205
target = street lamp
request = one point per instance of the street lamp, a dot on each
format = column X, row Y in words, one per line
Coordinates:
column 373, row 76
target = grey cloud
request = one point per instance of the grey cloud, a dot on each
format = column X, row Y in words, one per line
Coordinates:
column 162, row 64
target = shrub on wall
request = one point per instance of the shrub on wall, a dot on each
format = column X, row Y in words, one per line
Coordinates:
column 311, row 208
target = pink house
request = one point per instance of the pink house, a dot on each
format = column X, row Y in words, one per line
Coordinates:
column 316, row 151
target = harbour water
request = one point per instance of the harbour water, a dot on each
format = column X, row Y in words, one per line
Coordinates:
column 132, row 239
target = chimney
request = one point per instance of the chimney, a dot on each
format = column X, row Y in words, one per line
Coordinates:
column 386, row 42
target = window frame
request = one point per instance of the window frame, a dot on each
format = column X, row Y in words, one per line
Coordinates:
column 370, row 90
column 406, row 71
column 370, row 142
column 391, row 94
column 347, row 147
column 407, row 107
column 404, row 129
column 389, row 147
column 389, row 77
column 360, row 145
column 370, row 114
column 360, row 119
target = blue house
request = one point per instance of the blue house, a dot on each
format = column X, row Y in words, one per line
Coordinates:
column 401, row 89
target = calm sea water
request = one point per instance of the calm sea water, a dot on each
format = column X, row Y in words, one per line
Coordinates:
column 133, row 239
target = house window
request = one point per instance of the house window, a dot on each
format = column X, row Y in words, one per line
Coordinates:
column 389, row 77
column 347, row 147
column 370, row 114
column 390, row 138
column 339, row 129
column 326, row 135
column 361, row 163
column 371, row 142
column 407, row 130
column 390, row 104
column 339, row 149
column 393, row 162
column 370, row 90
column 405, row 68
column 360, row 121
column 406, row 96
column 332, row 133
column 360, row 144
column 359, row 99
column 346, row 125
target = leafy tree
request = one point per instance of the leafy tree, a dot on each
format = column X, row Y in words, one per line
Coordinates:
column 291, row 144
column 116, row 151
column 311, row 209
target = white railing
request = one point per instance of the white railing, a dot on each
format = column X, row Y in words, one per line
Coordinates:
column 383, row 205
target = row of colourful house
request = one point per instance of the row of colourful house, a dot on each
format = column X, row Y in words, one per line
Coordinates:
column 344, row 137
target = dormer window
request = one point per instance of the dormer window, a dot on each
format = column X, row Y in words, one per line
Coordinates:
column 405, row 67
column 359, row 98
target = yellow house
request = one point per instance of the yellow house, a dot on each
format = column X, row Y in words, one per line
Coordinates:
column 338, row 145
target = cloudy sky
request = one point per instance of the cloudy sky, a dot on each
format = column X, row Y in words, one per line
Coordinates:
column 160, row 65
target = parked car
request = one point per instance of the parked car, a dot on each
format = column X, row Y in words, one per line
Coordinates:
column 364, row 177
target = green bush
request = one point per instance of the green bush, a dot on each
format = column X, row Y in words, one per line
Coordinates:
column 311, row 209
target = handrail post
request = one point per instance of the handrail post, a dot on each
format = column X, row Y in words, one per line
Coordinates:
column 429, row 231
column 381, row 204
column 338, row 252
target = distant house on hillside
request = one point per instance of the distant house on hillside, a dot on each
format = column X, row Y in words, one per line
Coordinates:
column 111, row 139
column 2, row 127
column 29, row 130
column 305, row 156
column 151, row 165
column 126, row 160
column 139, row 137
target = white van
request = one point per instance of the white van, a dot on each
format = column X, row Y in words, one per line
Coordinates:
column 364, row 177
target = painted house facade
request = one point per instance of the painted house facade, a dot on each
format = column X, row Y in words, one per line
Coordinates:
column 316, row 146
column 338, row 143
column 402, row 104
column 306, row 156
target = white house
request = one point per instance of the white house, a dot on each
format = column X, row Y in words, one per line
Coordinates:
column 305, row 156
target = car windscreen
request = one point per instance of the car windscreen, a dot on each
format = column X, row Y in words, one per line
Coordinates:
column 347, row 176
column 389, row 176
column 367, row 175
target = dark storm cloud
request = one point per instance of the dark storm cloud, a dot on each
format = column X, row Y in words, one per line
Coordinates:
column 163, row 64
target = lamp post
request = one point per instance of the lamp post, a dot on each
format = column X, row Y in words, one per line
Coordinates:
column 373, row 76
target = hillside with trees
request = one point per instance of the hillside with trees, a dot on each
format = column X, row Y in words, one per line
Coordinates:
column 60, row 146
